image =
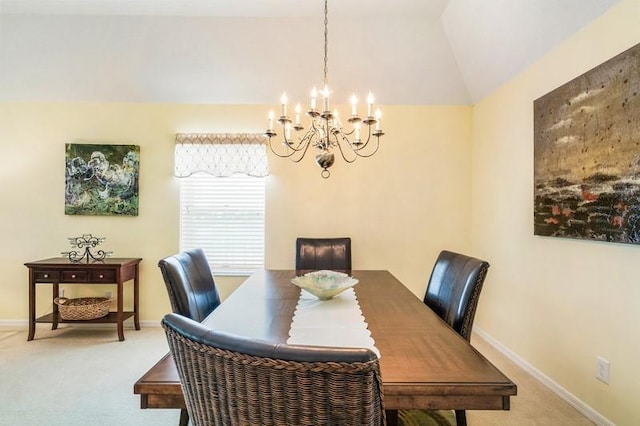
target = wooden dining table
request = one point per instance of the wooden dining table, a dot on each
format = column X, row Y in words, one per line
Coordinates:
column 424, row 363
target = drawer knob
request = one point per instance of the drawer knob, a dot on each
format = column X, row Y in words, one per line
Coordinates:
column 73, row 275
column 46, row 275
column 100, row 276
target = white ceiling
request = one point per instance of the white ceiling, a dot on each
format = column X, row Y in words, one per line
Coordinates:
column 249, row 51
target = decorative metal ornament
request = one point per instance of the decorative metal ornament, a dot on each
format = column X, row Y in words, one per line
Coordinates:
column 86, row 241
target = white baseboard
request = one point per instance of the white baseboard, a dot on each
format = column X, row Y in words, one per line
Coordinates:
column 24, row 324
column 14, row 324
column 565, row 395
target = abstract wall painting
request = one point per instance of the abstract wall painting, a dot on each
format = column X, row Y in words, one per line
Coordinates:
column 587, row 154
column 101, row 180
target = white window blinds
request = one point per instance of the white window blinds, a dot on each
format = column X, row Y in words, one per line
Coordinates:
column 222, row 215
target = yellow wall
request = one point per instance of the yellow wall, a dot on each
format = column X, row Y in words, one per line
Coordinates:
column 557, row 303
column 400, row 207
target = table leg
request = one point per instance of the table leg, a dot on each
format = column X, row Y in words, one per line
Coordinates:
column 392, row 417
column 32, row 306
column 136, row 294
column 119, row 314
column 184, row 417
column 56, row 292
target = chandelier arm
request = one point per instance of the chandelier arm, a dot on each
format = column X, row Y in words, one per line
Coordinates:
column 276, row 152
column 354, row 147
column 298, row 147
column 357, row 152
column 309, row 141
column 302, row 143
column 357, row 149
column 289, row 154
column 363, row 146
column 342, row 153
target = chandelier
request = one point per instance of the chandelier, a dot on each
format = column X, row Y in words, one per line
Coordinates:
column 326, row 132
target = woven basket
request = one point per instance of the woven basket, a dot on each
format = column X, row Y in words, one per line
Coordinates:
column 83, row 308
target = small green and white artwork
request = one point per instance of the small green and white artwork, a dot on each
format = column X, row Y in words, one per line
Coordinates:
column 101, row 180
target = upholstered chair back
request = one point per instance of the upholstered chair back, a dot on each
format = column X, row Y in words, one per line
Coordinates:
column 454, row 289
column 190, row 284
column 323, row 253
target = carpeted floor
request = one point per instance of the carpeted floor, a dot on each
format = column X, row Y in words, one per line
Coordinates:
column 78, row 376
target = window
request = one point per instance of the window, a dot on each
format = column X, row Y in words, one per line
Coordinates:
column 221, row 205
column 225, row 217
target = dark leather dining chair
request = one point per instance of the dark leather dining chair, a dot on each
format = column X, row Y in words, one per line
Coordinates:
column 190, row 284
column 452, row 293
column 323, row 253
column 192, row 289
column 233, row 380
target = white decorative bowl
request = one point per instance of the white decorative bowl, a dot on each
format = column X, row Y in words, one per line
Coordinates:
column 325, row 284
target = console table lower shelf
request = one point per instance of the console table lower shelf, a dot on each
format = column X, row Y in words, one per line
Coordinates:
column 110, row 318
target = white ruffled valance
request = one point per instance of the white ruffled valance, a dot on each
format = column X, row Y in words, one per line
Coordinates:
column 221, row 154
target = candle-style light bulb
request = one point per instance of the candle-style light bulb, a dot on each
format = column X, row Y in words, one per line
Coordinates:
column 298, row 109
column 354, row 104
column 284, row 104
column 356, row 126
column 378, row 115
column 325, row 98
column 336, row 119
column 271, row 120
column 369, row 104
column 287, row 132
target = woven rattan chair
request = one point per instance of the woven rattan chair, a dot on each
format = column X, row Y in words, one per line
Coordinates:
column 323, row 253
column 191, row 288
column 231, row 380
column 452, row 293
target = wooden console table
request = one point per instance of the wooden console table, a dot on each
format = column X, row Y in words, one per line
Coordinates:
column 60, row 270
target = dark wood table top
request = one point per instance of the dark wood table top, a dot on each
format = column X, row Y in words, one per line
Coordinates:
column 424, row 363
column 65, row 262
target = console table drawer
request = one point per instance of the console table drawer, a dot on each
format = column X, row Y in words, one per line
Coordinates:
column 102, row 276
column 74, row 276
column 46, row 276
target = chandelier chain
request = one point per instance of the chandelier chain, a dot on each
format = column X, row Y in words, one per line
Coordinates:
column 326, row 42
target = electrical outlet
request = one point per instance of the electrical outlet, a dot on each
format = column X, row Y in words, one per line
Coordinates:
column 602, row 369
column 107, row 294
column 61, row 292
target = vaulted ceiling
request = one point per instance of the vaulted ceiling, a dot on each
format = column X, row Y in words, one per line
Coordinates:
column 430, row 52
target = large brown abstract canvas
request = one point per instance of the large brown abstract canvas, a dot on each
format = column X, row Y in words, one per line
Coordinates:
column 587, row 154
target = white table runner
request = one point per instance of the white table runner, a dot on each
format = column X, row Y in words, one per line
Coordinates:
column 334, row 322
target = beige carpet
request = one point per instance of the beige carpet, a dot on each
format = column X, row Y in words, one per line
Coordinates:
column 535, row 405
column 78, row 376
column 6, row 334
column 84, row 376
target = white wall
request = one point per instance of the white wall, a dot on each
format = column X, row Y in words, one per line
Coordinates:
column 557, row 303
